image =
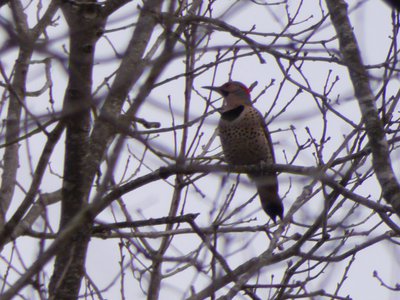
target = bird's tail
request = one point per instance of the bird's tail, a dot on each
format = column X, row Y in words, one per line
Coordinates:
column 267, row 187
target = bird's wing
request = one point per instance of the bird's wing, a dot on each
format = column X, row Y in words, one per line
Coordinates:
column 267, row 135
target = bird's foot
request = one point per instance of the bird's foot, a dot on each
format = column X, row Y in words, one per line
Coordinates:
column 263, row 165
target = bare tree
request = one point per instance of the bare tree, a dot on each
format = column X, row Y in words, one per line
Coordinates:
column 113, row 183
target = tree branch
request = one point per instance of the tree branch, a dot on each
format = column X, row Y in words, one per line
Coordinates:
column 366, row 100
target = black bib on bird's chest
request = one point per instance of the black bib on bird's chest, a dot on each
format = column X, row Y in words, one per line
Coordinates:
column 232, row 114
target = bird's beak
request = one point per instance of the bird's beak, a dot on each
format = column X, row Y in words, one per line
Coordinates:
column 212, row 88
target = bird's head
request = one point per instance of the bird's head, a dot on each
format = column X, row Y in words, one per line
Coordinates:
column 235, row 94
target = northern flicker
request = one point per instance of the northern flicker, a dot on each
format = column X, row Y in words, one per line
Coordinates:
column 246, row 141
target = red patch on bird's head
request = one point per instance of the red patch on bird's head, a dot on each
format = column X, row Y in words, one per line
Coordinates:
column 246, row 89
column 234, row 85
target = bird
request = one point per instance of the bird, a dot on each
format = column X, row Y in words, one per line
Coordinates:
column 245, row 140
